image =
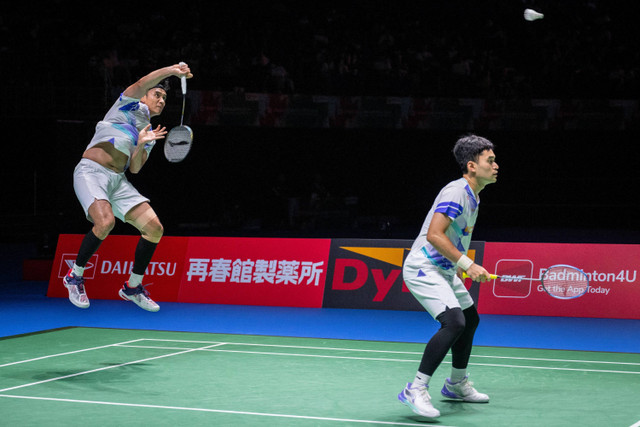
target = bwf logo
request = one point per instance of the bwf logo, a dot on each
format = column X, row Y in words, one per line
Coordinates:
column 511, row 283
column 68, row 260
column 512, row 278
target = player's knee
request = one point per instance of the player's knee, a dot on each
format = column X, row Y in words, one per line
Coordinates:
column 102, row 226
column 148, row 224
column 471, row 317
column 453, row 320
column 153, row 230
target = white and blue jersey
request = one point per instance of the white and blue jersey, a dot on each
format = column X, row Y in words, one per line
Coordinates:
column 457, row 201
column 122, row 124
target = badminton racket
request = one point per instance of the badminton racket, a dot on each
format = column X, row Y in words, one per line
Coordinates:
column 179, row 140
column 559, row 281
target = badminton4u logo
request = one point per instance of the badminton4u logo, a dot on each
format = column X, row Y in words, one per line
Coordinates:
column 68, row 260
column 595, row 276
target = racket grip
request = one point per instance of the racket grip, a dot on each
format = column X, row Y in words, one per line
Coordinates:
column 183, row 81
column 491, row 276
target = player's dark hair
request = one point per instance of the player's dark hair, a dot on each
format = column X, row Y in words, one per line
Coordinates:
column 468, row 148
column 164, row 85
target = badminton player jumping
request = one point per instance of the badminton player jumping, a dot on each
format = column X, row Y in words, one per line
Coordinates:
column 432, row 272
column 122, row 140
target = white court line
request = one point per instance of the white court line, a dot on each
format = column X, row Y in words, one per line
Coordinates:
column 105, row 368
column 218, row 343
column 548, row 368
column 268, row 353
column 220, row 411
column 210, row 346
column 123, row 344
column 287, row 346
column 68, row 353
column 396, row 352
column 541, row 359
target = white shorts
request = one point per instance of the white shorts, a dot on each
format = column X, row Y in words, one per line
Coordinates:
column 435, row 289
column 92, row 182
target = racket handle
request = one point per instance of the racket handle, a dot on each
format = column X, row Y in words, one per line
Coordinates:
column 183, row 81
column 491, row 276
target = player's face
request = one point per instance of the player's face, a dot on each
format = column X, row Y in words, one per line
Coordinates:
column 486, row 168
column 155, row 99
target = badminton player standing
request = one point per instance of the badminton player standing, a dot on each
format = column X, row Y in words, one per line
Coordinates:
column 122, row 140
column 432, row 272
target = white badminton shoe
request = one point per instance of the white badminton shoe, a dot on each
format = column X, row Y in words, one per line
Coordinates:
column 75, row 286
column 138, row 295
column 463, row 390
column 419, row 400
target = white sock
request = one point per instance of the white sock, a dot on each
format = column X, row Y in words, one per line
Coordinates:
column 420, row 380
column 135, row 280
column 78, row 271
column 458, row 375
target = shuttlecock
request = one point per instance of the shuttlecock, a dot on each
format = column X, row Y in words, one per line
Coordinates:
column 532, row 15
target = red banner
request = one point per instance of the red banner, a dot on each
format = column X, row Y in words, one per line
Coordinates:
column 366, row 274
column 614, row 284
column 276, row 272
column 109, row 268
column 271, row 272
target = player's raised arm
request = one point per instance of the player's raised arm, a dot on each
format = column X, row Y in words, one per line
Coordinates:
column 138, row 89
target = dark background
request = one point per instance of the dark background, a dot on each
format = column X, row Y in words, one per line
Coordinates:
column 60, row 75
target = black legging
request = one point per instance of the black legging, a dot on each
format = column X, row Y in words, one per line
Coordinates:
column 456, row 333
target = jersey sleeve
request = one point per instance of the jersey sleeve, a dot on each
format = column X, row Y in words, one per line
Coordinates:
column 127, row 104
column 451, row 202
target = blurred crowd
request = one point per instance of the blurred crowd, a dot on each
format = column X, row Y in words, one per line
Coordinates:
column 457, row 48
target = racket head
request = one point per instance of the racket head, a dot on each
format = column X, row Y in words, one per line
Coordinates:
column 565, row 281
column 178, row 143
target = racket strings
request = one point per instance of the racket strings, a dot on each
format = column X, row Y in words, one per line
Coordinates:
column 178, row 143
column 565, row 282
column 179, row 136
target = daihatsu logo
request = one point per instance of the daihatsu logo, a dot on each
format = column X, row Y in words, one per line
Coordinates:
column 68, row 260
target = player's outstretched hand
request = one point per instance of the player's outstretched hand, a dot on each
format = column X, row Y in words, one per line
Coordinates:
column 149, row 136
